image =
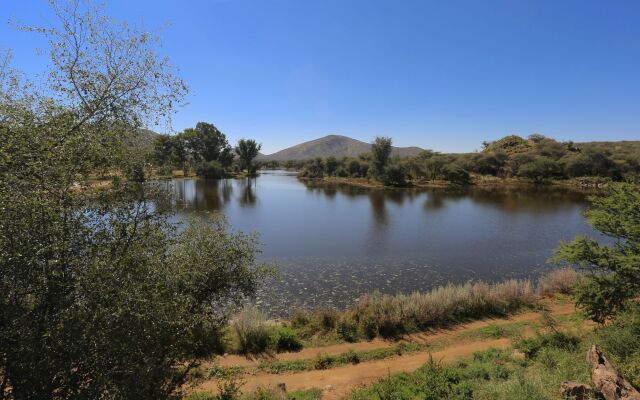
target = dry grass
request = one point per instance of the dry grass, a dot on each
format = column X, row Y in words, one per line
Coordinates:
column 388, row 315
column 251, row 329
column 561, row 280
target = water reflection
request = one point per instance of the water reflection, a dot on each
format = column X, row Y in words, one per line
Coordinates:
column 248, row 196
column 334, row 242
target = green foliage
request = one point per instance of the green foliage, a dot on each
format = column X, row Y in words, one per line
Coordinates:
column 313, row 170
column 101, row 296
column 300, row 319
column 556, row 340
column 309, row 394
column 225, row 373
column 284, row 339
column 252, row 331
column 620, row 341
column 351, row 357
column 210, row 170
column 347, row 330
column 330, row 165
column 537, row 158
column 456, row 174
column 539, row 170
column 394, row 175
column 614, row 270
column 327, row 319
column 203, row 147
column 247, row 150
column 380, row 151
column 431, row 381
column 280, row 367
column 323, row 361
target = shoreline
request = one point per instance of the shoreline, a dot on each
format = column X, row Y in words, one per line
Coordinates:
column 586, row 185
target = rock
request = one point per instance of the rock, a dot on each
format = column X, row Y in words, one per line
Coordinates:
column 607, row 379
column 577, row 391
column 328, row 388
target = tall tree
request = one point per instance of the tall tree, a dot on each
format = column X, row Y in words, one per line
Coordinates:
column 100, row 296
column 206, row 143
column 381, row 151
column 614, row 271
column 247, row 150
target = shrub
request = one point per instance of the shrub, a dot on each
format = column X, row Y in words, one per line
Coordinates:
column 351, row 357
column 327, row 319
column 621, row 342
column 341, row 172
column 456, row 174
column 323, row 361
column 555, row 340
column 284, row 339
column 394, row 175
column 251, row 329
column 430, row 382
column 300, row 319
column 347, row 331
column 210, row 170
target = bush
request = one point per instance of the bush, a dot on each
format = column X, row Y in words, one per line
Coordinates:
column 351, row 357
column 539, row 170
column 430, row 382
column 555, row 340
column 300, row 319
column 621, row 342
column 251, row 329
column 327, row 319
column 341, row 172
column 347, row 331
column 284, row 339
column 323, row 361
column 394, row 175
column 210, row 170
column 456, row 174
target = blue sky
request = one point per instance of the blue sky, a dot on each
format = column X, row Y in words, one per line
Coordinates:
column 444, row 75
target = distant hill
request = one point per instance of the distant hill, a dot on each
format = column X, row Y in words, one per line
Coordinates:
column 332, row 145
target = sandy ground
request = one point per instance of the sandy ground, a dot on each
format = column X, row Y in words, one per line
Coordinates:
column 338, row 382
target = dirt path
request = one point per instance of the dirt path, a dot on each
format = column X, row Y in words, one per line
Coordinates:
column 422, row 337
column 338, row 382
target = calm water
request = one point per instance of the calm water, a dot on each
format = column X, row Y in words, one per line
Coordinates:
column 332, row 243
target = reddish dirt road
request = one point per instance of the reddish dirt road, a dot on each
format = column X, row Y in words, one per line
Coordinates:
column 338, row 382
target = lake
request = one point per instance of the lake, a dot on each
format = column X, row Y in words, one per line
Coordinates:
column 332, row 243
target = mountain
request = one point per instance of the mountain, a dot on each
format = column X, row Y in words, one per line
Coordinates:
column 332, row 145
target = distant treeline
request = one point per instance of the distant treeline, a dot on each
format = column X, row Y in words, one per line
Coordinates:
column 203, row 150
column 536, row 158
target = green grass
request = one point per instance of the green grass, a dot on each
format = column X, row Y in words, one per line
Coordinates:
column 260, row 394
column 497, row 331
column 491, row 374
column 309, row 394
column 322, row 361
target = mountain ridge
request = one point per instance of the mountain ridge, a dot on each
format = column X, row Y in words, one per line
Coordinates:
column 332, row 146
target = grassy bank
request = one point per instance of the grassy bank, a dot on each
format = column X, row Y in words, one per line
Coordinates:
column 391, row 316
column 533, row 369
column 484, row 181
